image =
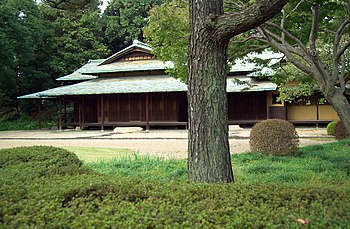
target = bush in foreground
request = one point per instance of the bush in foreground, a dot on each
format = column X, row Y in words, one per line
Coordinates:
column 274, row 137
column 85, row 200
column 340, row 131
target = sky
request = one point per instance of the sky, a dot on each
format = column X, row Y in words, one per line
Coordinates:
column 104, row 4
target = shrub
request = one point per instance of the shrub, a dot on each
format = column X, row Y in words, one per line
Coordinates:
column 275, row 137
column 93, row 200
column 40, row 161
column 330, row 127
column 340, row 131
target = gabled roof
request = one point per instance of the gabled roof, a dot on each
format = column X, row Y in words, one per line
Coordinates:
column 135, row 84
column 110, row 65
column 135, row 45
column 94, row 67
column 144, row 84
column 76, row 76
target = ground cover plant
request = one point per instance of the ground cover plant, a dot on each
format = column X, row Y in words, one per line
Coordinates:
column 50, row 187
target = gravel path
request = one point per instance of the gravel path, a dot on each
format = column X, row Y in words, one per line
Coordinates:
column 164, row 143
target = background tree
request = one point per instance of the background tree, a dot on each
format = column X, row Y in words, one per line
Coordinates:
column 210, row 31
column 124, row 20
column 74, row 35
column 168, row 33
column 319, row 48
column 21, row 35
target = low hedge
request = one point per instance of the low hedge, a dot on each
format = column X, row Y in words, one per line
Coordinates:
column 85, row 199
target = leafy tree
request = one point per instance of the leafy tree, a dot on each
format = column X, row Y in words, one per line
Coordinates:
column 21, row 34
column 319, row 47
column 124, row 20
column 168, row 32
column 75, row 35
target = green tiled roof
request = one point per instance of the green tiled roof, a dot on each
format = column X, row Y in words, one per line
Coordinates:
column 94, row 67
column 76, row 76
column 142, row 84
column 33, row 96
column 135, row 84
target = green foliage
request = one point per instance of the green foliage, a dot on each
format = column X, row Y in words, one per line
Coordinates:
column 25, row 122
column 49, row 187
column 74, row 35
column 330, row 127
column 167, row 32
column 21, row 36
column 340, row 132
column 123, row 21
column 274, row 136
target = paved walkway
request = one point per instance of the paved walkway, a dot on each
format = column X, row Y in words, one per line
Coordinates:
column 166, row 143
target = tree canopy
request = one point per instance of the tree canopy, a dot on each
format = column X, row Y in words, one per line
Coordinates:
column 123, row 21
column 21, row 33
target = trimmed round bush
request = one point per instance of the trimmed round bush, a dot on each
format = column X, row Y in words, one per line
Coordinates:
column 340, row 131
column 330, row 127
column 274, row 137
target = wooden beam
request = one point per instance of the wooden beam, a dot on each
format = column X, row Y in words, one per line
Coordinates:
column 83, row 111
column 65, row 111
column 60, row 114
column 79, row 115
column 102, row 114
column 147, row 111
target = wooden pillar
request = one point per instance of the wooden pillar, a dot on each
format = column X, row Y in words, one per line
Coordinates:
column 60, row 114
column 39, row 113
column 102, row 114
column 79, row 116
column 267, row 97
column 65, row 111
column 147, row 111
column 83, row 111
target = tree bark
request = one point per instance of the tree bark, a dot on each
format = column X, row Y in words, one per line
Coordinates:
column 340, row 104
column 208, row 149
column 209, row 158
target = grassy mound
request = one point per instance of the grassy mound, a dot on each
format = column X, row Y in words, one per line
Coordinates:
column 71, row 195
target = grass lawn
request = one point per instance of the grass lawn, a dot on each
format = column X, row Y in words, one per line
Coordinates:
column 50, row 187
column 91, row 154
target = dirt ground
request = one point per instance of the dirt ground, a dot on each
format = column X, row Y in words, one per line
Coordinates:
column 163, row 143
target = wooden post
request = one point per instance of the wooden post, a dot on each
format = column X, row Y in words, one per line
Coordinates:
column 268, row 95
column 79, row 116
column 102, row 114
column 39, row 113
column 60, row 114
column 83, row 111
column 65, row 111
column 147, row 111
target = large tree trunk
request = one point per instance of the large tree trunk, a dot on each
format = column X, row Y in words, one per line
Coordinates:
column 209, row 154
column 208, row 148
column 341, row 106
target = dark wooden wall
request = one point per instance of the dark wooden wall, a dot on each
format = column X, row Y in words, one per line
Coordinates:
column 247, row 106
column 163, row 107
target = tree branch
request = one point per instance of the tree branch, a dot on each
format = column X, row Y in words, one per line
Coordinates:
column 286, row 52
column 342, row 74
column 230, row 24
column 314, row 28
column 295, row 8
column 288, row 34
column 288, row 46
column 336, row 52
